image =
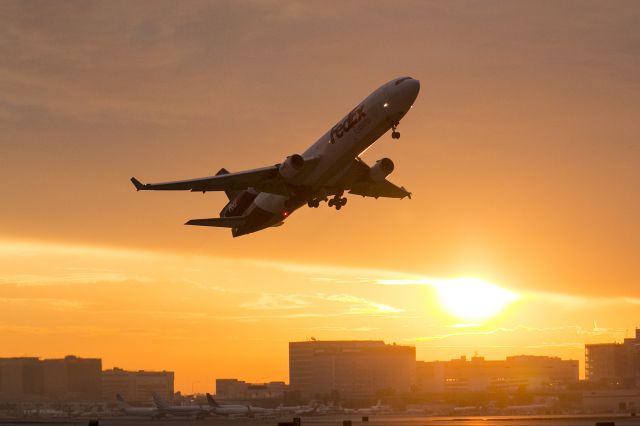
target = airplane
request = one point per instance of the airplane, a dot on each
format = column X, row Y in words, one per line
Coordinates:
column 296, row 409
column 179, row 410
column 374, row 409
column 236, row 409
column 153, row 412
column 265, row 197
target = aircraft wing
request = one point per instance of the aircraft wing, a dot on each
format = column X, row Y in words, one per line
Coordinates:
column 379, row 189
column 358, row 182
column 266, row 179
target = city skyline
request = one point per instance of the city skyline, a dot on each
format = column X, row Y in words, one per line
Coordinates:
column 521, row 154
column 355, row 369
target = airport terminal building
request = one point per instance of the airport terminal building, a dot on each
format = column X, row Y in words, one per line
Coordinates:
column 136, row 386
column 238, row 390
column 522, row 372
column 351, row 369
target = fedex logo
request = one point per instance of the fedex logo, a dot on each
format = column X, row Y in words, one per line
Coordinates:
column 352, row 119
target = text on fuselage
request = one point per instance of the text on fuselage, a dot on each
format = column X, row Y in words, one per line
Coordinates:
column 343, row 127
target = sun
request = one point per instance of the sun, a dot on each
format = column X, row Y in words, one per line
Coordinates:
column 473, row 299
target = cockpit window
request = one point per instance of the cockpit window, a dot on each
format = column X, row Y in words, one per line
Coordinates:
column 400, row 80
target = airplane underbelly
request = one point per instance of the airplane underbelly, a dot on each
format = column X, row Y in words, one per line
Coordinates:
column 272, row 203
column 265, row 211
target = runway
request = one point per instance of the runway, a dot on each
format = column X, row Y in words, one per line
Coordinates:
column 380, row 420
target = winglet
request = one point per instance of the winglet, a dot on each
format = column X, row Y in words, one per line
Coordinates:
column 139, row 185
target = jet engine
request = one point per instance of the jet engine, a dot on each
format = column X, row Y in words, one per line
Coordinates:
column 381, row 170
column 291, row 166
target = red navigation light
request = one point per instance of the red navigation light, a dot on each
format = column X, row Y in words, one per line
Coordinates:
column 285, row 214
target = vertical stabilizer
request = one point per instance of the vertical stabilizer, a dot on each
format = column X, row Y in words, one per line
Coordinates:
column 121, row 402
column 159, row 402
column 212, row 402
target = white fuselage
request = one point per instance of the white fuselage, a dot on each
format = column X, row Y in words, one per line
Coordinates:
column 337, row 148
column 141, row 411
column 185, row 410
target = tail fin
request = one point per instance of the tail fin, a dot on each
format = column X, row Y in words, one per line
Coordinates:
column 230, row 194
column 159, row 401
column 212, row 402
column 121, row 402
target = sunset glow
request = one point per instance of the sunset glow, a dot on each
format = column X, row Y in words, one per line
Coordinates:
column 521, row 153
column 473, row 299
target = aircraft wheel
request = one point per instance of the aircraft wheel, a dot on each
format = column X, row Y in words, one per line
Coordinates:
column 331, row 202
column 395, row 135
column 343, row 201
column 338, row 206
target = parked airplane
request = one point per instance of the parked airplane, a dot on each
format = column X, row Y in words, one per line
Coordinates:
column 236, row 409
column 265, row 197
column 374, row 409
column 179, row 410
column 296, row 409
column 153, row 412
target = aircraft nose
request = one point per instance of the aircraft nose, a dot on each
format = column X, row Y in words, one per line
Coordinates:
column 403, row 97
column 411, row 90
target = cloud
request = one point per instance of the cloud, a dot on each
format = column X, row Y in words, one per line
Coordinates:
column 355, row 305
column 276, row 302
column 560, row 332
column 55, row 303
column 339, row 328
column 81, row 277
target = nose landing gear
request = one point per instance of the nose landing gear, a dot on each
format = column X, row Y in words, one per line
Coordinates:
column 395, row 134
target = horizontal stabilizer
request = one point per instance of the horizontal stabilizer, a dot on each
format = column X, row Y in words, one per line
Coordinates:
column 220, row 222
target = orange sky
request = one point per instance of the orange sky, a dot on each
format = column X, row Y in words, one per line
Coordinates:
column 522, row 154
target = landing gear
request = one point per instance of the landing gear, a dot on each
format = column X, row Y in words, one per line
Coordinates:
column 338, row 202
column 395, row 134
column 315, row 203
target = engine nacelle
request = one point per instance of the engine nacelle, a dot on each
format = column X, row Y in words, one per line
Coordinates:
column 381, row 170
column 291, row 166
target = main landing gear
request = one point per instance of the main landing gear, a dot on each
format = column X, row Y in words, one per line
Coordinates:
column 395, row 134
column 315, row 203
column 338, row 202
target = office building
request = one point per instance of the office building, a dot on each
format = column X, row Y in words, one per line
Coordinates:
column 350, row 369
column 137, row 386
column 66, row 379
column 614, row 363
column 521, row 372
